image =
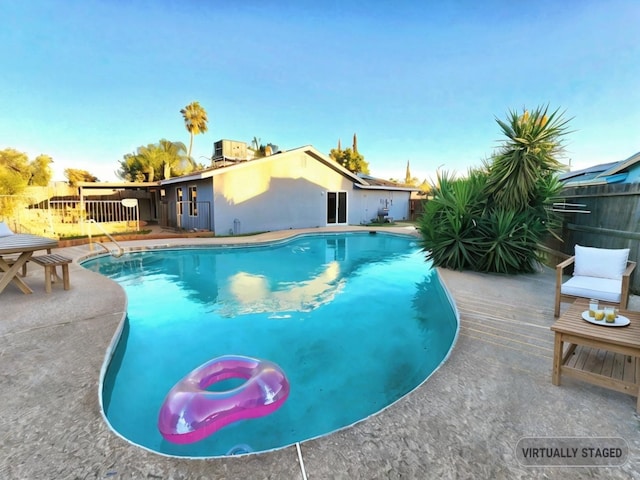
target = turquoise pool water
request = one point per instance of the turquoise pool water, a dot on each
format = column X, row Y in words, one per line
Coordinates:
column 356, row 321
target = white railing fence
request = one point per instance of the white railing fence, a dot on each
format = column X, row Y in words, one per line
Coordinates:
column 68, row 217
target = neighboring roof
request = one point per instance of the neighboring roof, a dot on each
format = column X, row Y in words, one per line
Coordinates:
column 360, row 180
column 381, row 184
column 613, row 172
column 589, row 172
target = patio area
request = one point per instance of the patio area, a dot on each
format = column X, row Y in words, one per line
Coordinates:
column 464, row 422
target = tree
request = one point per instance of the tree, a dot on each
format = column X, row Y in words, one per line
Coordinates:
column 17, row 172
column 40, row 171
column 352, row 161
column 425, row 187
column 14, row 172
column 528, row 155
column 155, row 161
column 151, row 160
column 195, row 120
column 74, row 176
column 259, row 149
column 142, row 165
column 410, row 181
column 131, row 169
column 336, row 153
column 174, row 158
column 350, row 158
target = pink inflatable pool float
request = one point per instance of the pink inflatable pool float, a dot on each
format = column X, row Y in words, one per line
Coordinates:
column 190, row 412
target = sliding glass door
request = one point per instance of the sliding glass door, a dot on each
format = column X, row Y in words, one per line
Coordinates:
column 336, row 207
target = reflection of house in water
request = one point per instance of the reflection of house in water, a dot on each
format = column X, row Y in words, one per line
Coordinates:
column 336, row 249
column 316, row 274
column 298, row 275
column 195, row 272
column 355, row 250
column 255, row 283
column 254, row 293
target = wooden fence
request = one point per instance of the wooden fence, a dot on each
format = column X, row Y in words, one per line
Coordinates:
column 613, row 221
column 416, row 207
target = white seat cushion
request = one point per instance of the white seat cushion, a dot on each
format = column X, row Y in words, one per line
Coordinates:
column 605, row 289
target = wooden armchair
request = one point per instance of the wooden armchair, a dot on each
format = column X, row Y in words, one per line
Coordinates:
column 599, row 273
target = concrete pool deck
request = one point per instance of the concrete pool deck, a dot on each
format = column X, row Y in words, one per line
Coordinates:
column 464, row 422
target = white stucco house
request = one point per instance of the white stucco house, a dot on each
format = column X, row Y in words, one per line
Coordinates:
column 298, row 188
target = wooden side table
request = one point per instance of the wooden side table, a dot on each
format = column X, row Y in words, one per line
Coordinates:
column 572, row 329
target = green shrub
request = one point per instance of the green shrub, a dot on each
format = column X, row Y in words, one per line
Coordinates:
column 449, row 224
column 494, row 219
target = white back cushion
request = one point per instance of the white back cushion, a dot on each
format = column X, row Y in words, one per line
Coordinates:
column 5, row 231
column 601, row 262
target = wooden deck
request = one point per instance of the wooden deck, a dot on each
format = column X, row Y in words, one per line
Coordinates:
column 523, row 327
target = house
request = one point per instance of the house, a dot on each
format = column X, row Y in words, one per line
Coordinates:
column 298, row 188
column 624, row 171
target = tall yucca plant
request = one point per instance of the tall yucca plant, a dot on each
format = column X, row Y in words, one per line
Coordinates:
column 547, row 188
column 530, row 152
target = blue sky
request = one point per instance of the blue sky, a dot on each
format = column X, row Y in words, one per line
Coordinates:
column 89, row 81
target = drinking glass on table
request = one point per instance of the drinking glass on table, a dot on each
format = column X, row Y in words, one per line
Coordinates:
column 609, row 314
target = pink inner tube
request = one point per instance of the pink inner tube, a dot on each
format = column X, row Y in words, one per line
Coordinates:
column 190, row 412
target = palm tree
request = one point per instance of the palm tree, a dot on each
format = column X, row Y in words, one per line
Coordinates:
column 255, row 144
column 257, row 148
column 175, row 158
column 150, row 160
column 195, row 120
column 529, row 154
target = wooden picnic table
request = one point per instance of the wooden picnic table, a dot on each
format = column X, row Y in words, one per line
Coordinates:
column 23, row 245
column 572, row 329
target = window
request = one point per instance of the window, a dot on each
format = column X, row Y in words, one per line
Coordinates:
column 179, row 201
column 193, row 201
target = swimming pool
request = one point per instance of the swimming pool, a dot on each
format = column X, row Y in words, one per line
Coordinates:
column 356, row 321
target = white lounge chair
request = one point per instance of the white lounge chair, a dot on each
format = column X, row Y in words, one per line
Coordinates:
column 599, row 273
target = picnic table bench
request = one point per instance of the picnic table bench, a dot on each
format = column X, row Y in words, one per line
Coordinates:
column 50, row 262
